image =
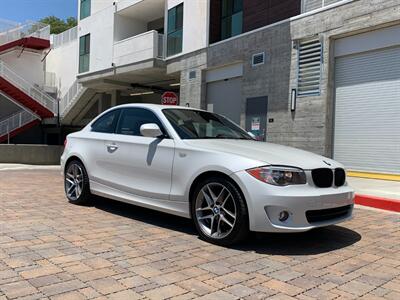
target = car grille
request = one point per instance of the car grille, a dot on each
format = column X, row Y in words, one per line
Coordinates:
column 322, row 215
column 340, row 177
column 325, row 177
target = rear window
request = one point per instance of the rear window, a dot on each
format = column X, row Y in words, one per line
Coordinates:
column 107, row 122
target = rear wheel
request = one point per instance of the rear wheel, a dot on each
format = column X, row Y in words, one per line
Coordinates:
column 219, row 211
column 76, row 183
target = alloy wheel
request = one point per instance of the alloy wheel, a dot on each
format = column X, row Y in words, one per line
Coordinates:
column 74, row 182
column 215, row 210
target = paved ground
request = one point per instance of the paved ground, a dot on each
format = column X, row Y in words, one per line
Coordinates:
column 380, row 188
column 52, row 249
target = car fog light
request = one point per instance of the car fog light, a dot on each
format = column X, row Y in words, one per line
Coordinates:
column 283, row 216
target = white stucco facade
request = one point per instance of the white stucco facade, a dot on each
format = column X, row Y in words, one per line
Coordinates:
column 18, row 63
column 63, row 61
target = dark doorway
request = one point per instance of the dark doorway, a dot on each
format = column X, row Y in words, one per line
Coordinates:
column 256, row 117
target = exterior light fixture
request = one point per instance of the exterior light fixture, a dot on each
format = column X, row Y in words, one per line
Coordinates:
column 142, row 93
column 293, row 100
column 175, row 84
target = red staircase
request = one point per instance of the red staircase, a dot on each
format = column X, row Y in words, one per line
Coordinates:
column 28, row 42
column 25, row 93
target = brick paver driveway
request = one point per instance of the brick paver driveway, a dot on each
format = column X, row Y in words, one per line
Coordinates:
column 52, row 249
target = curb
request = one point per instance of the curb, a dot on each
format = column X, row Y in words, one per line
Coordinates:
column 378, row 202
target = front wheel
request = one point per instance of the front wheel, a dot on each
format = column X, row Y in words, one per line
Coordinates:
column 219, row 212
column 76, row 183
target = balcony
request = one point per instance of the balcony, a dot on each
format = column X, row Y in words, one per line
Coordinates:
column 141, row 47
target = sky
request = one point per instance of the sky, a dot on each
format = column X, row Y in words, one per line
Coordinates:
column 23, row 10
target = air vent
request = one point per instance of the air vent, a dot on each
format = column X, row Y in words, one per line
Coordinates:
column 258, row 59
column 192, row 74
column 309, row 68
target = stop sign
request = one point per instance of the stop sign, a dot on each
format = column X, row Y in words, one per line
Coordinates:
column 169, row 98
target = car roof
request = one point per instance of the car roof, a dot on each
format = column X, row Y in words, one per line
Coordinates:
column 155, row 106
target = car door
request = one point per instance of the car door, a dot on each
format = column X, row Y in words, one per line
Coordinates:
column 140, row 165
column 95, row 150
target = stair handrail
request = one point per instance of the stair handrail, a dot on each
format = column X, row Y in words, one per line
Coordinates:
column 13, row 32
column 15, row 121
column 34, row 92
column 70, row 96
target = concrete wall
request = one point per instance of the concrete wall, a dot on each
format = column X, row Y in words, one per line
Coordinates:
column 31, row 154
column 63, row 61
column 195, row 23
column 138, row 48
column 28, row 65
column 125, row 27
column 317, row 112
column 96, row 5
column 100, row 26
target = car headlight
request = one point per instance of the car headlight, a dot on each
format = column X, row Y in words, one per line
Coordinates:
column 280, row 176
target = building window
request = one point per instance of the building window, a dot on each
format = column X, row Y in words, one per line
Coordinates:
column 231, row 18
column 84, row 53
column 175, row 30
column 85, row 8
column 309, row 67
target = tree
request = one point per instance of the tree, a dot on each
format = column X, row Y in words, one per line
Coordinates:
column 58, row 25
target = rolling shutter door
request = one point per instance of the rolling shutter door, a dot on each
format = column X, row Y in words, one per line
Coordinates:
column 225, row 98
column 367, row 111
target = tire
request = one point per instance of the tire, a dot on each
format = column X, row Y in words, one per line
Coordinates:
column 75, row 175
column 224, row 220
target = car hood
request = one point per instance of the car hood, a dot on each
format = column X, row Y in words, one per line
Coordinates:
column 266, row 153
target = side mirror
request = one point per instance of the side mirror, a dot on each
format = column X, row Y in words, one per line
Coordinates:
column 150, row 130
column 252, row 135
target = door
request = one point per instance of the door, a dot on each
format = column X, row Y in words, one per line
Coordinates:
column 225, row 97
column 256, row 117
column 94, row 147
column 367, row 107
column 139, row 165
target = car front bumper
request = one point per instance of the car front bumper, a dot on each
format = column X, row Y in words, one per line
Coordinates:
column 265, row 203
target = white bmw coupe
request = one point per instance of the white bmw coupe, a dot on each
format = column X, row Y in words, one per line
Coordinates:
column 199, row 165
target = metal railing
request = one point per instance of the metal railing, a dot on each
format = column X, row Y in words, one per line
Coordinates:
column 7, row 25
column 37, row 94
column 69, row 98
column 8, row 125
column 65, row 37
column 12, row 32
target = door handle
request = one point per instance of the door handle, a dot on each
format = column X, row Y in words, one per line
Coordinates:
column 112, row 148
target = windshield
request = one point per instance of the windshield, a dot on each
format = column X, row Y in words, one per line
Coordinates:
column 195, row 124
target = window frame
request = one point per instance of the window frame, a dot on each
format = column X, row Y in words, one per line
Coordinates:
column 162, row 127
column 85, row 54
column 176, row 29
column 115, row 122
column 230, row 16
column 82, row 3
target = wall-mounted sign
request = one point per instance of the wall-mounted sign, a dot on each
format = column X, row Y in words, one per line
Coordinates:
column 169, row 98
column 255, row 123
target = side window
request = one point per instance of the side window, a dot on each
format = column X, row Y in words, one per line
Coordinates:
column 132, row 118
column 84, row 53
column 107, row 123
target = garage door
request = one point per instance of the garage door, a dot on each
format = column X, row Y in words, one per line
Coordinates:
column 225, row 97
column 367, row 111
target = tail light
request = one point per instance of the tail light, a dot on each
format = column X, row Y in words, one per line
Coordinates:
column 65, row 142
